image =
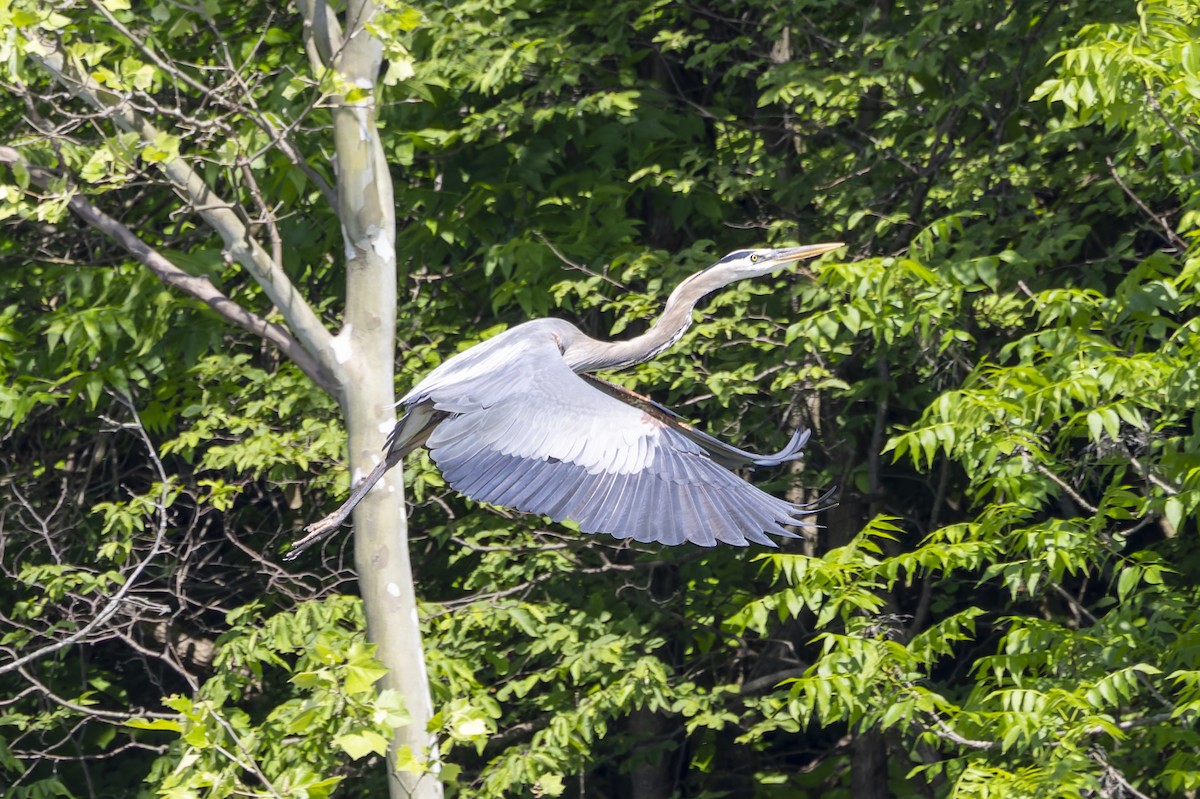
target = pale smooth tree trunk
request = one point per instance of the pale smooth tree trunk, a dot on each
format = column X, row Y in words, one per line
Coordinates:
column 367, row 345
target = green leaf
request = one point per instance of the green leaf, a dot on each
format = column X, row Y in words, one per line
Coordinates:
column 361, row 744
column 550, row 785
column 1173, row 511
column 164, row 147
column 408, row 762
column 361, row 679
column 1128, row 580
column 154, row 724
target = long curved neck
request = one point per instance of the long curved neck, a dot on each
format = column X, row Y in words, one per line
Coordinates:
column 670, row 326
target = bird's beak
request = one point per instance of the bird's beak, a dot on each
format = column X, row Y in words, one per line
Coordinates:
column 790, row 254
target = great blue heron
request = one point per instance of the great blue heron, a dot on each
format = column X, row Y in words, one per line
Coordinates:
column 519, row 421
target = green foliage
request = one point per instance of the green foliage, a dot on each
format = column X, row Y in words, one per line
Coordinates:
column 293, row 696
column 1000, row 374
column 275, row 422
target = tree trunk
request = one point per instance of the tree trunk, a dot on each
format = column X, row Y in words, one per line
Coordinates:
column 868, row 767
column 652, row 778
column 367, row 344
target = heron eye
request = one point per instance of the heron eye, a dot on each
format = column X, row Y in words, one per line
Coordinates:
column 753, row 258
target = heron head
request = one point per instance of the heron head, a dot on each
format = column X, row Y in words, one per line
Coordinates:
column 752, row 263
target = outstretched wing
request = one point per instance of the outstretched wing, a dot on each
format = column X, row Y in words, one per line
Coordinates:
column 728, row 456
column 535, row 436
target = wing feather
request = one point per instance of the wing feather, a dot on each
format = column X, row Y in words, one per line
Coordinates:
column 707, row 518
column 559, row 507
column 692, row 467
column 727, row 531
column 509, row 483
column 554, row 484
column 695, row 516
column 743, row 526
column 462, row 448
column 765, row 514
column 673, row 504
column 523, row 491
column 609, row 515
column 641, row 508
column 496, row 474
column 592, row 492
column 727, row 455
column 470, row 476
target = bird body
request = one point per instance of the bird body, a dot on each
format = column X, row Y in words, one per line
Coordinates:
column 519, row 421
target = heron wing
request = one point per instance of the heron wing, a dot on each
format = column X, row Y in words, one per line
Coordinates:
column 727, row 455
column 535, row 436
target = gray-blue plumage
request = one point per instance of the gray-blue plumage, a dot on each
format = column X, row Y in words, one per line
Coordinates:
column 537, row 437
column 519, row 421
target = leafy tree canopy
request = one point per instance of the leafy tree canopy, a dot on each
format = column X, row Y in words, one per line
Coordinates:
column 1001, row 374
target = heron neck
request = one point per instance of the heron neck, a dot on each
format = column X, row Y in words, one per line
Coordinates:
column 675, row 320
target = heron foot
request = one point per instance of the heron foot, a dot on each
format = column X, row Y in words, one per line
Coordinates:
column 317, row 531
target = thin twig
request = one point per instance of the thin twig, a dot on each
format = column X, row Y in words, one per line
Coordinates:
column 575, row 266
column 1151, row 477
column 1071, row 492
column 1114, row 775
column 200, row 288
column 239, row 244
column 1083, row 611
column 108, row 716
column 250, row 764
column 114, row 604
column 1162, row 114
column 277, row 137
column 1129, row 724
column 1172, row 236
column 944, row 731
column 770, row 681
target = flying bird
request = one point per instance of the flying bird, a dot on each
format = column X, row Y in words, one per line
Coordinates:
column 520, row 421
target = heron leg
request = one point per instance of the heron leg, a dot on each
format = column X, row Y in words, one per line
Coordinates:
column 320, row 530
column 410, row 432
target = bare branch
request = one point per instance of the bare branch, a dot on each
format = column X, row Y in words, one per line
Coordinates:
column 121, row 596
column 1162, row 114
column 1130, row 724
column 771, row 680
column 519, row 731
column 943, row 730
column 199, row 287
column 278, row 138
column 92, row 756
column 108, row 716
column 1113, row 775
column 322, row 33
column 1151, row 477
column 242, row 247
column 249, row 763
column 1172, row 236
column 1071, row 492
column 264, row 211
column 578, row 267
column 1091, row 618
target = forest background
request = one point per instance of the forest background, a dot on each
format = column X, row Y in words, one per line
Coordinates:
column 1001, row 373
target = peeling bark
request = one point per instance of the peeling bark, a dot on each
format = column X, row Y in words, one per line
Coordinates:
column 366, row 208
